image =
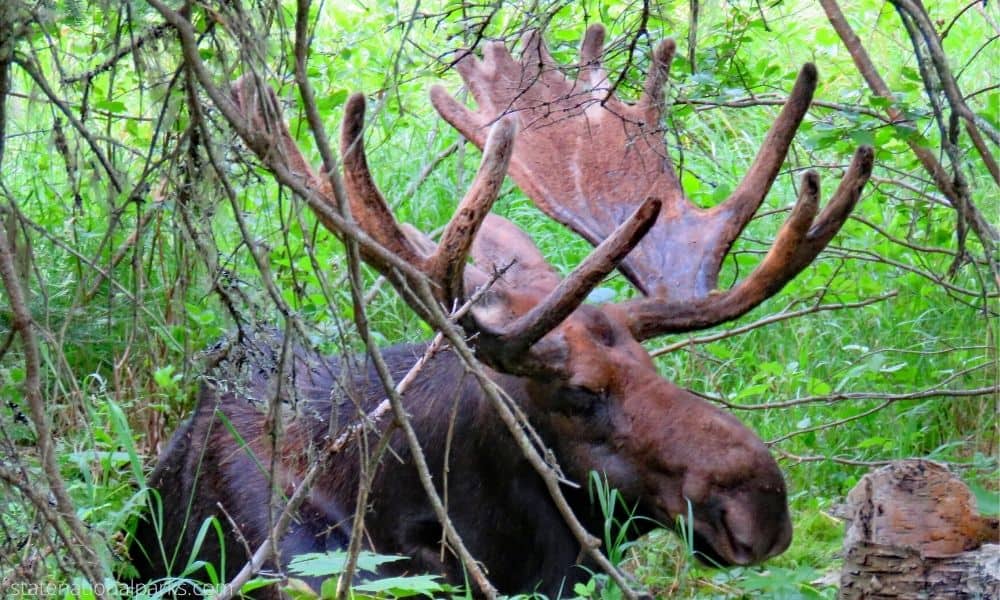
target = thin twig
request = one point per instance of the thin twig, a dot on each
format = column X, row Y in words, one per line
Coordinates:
column 958, row 198
column 22, row 322
column 767, row 321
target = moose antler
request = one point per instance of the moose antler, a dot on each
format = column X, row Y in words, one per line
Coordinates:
column 444, row 263
column 444, row 266
column 587, row 159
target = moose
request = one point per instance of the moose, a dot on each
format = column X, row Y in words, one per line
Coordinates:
column 576, row 370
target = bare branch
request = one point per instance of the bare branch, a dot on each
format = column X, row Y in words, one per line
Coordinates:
column 783, row 316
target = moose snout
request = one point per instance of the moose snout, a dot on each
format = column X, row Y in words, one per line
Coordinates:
column 742, row 529
column 756, row 531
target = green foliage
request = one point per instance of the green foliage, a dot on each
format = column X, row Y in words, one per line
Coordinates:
column 122, row 335
column 332, row 565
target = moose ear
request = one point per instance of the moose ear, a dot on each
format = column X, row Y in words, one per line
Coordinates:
column 503, row 245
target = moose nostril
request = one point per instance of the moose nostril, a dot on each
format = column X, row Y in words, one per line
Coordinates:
column 781, row 540
column 742, row 550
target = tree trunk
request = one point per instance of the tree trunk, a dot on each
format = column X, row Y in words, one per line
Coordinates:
column 877, row 571
column 915, row 532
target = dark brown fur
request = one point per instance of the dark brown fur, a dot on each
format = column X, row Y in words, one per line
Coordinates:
column 496, row 500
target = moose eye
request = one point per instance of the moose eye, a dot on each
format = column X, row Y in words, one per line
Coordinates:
column 601, row 329
column 581, row 402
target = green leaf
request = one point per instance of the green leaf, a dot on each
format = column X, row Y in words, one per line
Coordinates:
column 863, row 136
column 403, row 587
column 988, row 501
column 818, row 387
column 328, row 589
column 752, row 390
column 257, row 583
column 321, row 564
column 721, row 192
column 165, row 377
column 874, row 442
column 332, row 100
column 296, row 589
column 911, row 74
column 119, row 423
column 113, row 106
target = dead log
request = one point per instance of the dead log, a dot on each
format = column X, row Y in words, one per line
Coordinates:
column 915, row 532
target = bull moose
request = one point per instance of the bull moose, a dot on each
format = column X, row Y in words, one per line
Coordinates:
column 576, row 370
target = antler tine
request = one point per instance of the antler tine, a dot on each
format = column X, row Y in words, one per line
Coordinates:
column 749, row 194
column 572, row 290
column 656, row 78
column 845, row 198
column 471, row 125
column 798, row 242
column 368, row 207
column 591, row 50
column 766, row 278
column 535, row 55
column 258, row 103
column 447, row 265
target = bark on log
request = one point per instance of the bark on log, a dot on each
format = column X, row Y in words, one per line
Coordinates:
column 915, row 532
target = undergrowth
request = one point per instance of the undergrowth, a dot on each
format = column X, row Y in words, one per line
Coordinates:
column 122, row 356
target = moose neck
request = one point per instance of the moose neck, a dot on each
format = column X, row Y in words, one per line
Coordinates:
column 469, row 448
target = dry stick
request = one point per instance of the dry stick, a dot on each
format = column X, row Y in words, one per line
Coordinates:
column 776, row 100
column 31, row 67
column 984, row 151
column 494, row 394
column 124, row 291
column 918, row 192
column 906, row 243
column 290, row 317
column 920, row 28
column 829, row 425
column 945, row 77
column 836, row 459
column 123, row 249
column 693, row 35
column 969, row 212
column 420, row 462
column 948, row 132
column 954, row 19
column 343, row 584
column 208, row 253
column 426, row 171
column 932, row 391
column 32, row 70
column 259, row 142
column 870, row 256
column 153, row 33
column 43, row 506
column 330, row 168
column 22, row 323
column 259, row 259
column 767, row 321
column 25, row 571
